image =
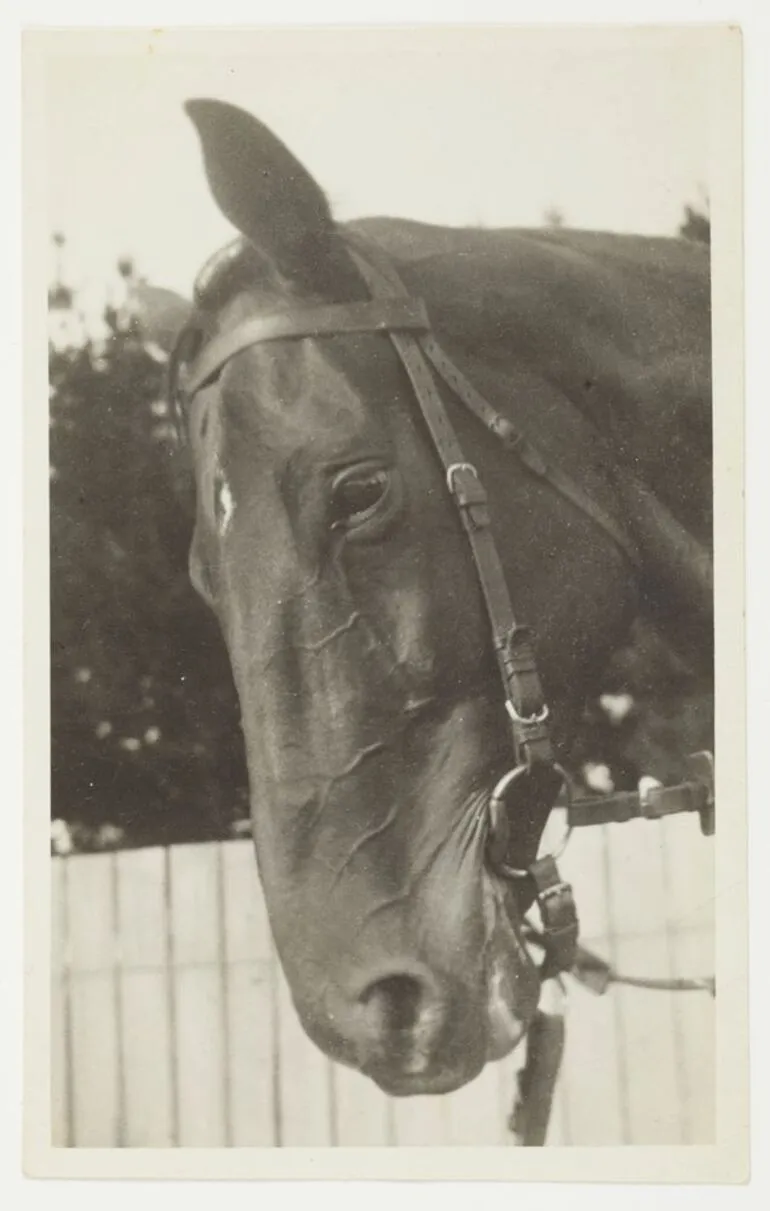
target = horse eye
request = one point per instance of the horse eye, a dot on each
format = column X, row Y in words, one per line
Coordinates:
column 356, row 496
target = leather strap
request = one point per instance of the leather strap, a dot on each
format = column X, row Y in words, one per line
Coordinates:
column 624, row 806
column 515, row 441
column 333, row 319
column 512, row 644
column 694, row 795
column 536, row 1082
column 368, row 255
column 560, row 923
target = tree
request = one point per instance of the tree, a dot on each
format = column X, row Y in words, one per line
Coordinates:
column 696, row 225
column 553, row 217
column 145, row 723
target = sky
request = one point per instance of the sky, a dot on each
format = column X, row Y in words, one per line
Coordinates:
column 454, row 126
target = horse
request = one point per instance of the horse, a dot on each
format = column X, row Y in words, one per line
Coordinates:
column 329, row 546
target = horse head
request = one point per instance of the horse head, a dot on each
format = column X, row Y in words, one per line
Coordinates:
column 327, row 545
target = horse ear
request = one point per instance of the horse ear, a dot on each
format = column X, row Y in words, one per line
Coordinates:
column 161, row 313
column 261, row 188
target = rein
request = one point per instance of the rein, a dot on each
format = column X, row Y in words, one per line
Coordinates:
column 535, row 778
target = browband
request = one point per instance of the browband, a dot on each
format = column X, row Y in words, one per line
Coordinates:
column 332, row 319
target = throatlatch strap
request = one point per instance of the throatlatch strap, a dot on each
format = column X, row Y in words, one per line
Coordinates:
column 517, row 444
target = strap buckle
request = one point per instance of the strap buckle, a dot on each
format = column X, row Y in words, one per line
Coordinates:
column 469, row 494
column 527, row 720
column 524, row 693
column 454, row 469
column 556, row 902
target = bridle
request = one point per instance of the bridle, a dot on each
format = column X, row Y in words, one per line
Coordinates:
column 535, row 777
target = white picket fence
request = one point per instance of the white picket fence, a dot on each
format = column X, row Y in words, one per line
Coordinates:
column 172, row 1024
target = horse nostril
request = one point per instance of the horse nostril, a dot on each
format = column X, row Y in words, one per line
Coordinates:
column 408, row 1027
column 393, row 1004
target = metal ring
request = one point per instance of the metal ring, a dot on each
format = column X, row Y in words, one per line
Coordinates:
column 452, row 470
column 540, row 717
column 495, row 801
column 503, row 783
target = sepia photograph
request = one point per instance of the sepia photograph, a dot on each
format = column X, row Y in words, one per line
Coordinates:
column 384, row 373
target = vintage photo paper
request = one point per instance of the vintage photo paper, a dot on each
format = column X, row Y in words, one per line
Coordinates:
column 376, row 506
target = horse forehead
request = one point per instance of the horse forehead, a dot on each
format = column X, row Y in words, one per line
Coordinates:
column 313, row 389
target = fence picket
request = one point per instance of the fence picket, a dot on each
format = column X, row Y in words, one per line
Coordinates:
column 592, row 1076
column 250, row 968
column 695, row 955
column 653, row 1098
column 60, row 1074
column 92, row 950
column 473, row 1115
column 199, row 1010
column 305, row 1081
column 364, row 1114
column 690, row 908
column 422, row 1121
column 145, row 1019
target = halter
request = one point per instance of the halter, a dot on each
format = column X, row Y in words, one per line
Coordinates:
column 535, row 776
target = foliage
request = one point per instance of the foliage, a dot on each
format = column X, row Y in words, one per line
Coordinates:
column 145, row 730
column 553, row 217
column 696, row 226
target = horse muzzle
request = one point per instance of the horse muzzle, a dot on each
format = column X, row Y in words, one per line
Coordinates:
column 409, row 1030
column 414, row 1030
